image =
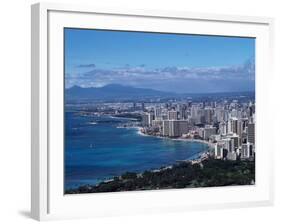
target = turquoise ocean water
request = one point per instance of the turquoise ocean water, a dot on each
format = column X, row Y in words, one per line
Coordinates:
column 96, row 150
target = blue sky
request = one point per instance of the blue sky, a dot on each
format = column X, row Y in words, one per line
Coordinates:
column 180, row 63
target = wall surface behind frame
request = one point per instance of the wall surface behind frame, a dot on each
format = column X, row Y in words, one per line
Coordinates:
column 15, row 110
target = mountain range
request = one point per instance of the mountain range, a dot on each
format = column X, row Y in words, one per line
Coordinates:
column 122, row 92
column 113, row 91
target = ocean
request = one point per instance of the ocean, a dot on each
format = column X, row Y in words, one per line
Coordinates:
column 97, row 150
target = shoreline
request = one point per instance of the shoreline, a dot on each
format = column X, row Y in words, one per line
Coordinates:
column 193, row 159
column 211, row 145
column 197, row 158
column 139, row 131
column 123, row 118
column 181, row 175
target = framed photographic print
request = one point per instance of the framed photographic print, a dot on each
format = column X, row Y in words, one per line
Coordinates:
column 138, row 111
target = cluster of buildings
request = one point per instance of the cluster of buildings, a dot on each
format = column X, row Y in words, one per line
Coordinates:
column 229, row 126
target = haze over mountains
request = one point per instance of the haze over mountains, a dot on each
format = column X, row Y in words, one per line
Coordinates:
column 121, row 92
column 113, row 91
column 181, row 80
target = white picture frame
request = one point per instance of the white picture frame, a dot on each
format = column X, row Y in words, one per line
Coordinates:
column 48, row 201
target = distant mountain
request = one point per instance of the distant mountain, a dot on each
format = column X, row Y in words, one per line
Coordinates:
column 123, row 93
column 113, row 91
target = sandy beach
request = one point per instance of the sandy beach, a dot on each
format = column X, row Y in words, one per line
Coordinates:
column 211, row 145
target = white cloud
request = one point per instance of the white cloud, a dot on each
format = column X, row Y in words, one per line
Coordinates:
column 160, row 78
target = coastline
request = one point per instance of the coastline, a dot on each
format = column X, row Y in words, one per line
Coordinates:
column 193, row 159
column 211, row 145
column 186, row 173
column 140, row 132
column 123, row 118
column 198, row 158
column 180, row 175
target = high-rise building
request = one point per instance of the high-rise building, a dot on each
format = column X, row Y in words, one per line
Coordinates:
column 213, row 104
column 227, row 143
column 223, row 128
column 219, row 114
column 158, row 113
column 150, row 118
column 182, row 112
column 164, row 117
column 234, row 113
column 245, row 122
column 218, row 151
column 225, row 115
column 208, row 114
column 236, row 141
column 251, row 133
column 240, row 131
column 174, row 128
column 157, row 123
column 200, row 132
column 234, row 125
column 172, row 115
column 183, row 126
column 251, row 109
column 165, row 128
column 145, row 120
column 229, row 126
column 143, row 106
column 247, row 150
column 194, row 111
column 244, row 138
column 208, row 131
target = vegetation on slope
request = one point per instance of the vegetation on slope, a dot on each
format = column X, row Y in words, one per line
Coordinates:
column 209, row 173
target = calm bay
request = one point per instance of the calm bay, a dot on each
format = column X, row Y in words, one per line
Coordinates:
column 96, row 149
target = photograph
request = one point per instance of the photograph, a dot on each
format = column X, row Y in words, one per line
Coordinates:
column 157, row 111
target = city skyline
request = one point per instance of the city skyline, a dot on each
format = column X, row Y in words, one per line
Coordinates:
column 151, row 111
column 107, row 149
column 193, row 64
